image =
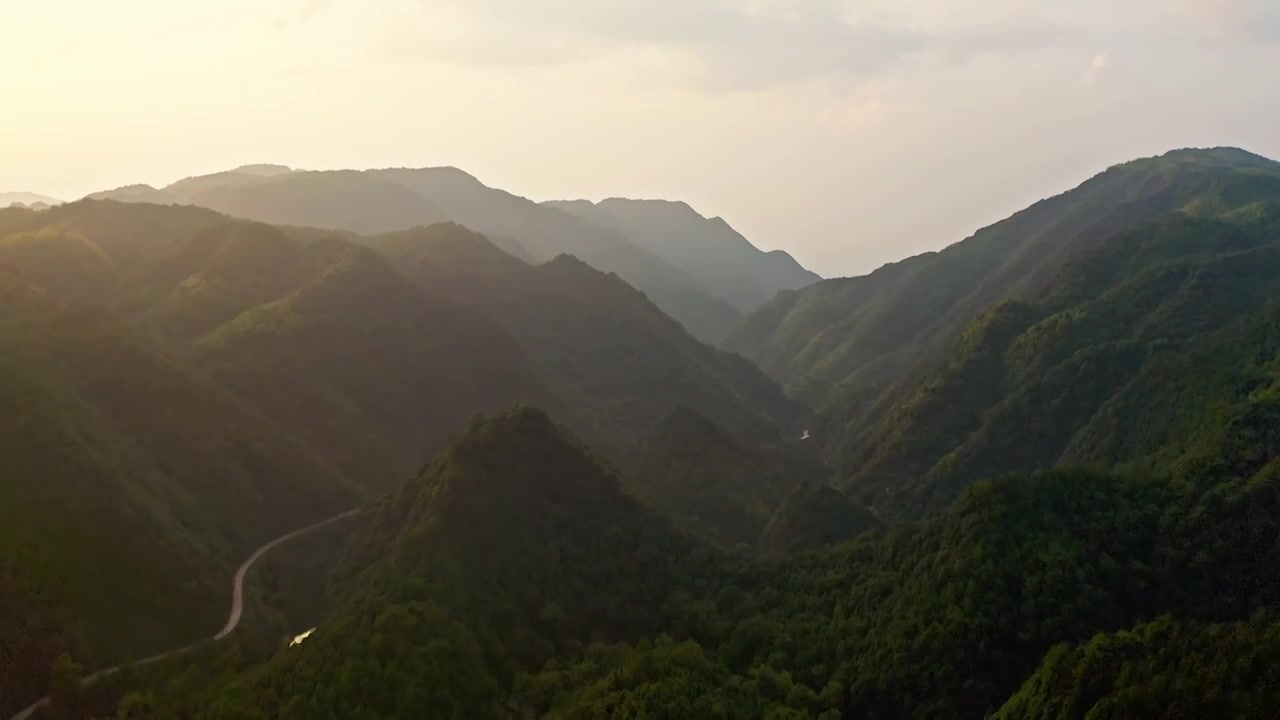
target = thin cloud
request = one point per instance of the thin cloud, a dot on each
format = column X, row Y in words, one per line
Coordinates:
column 1096, row 68
column 301, row 12
column 723, row 44
column 1236, row 21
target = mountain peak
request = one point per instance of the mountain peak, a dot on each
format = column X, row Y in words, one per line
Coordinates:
column 573, row 207
column 137, row 192
column 709, row 249
column 1221, row 156
column 516, row 468
column 1221, row 152
column 673, row 208
column 447, row 173
column 263, row 169
column 27, row 199
column 571, row 261
column 528, row 421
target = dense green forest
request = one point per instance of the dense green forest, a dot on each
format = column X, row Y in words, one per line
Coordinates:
column 1164, row 668
column 123, row 550
column 558, row 594
column 1132, row 358
column 1034, row 475
column 719, row 486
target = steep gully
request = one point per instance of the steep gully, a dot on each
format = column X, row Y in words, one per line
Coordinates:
column 233, row 618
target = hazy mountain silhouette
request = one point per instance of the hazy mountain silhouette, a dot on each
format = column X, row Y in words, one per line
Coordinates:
column 31, row 200
column 725, row 262
column 378, row 201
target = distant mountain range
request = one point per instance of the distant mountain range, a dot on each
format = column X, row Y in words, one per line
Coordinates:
column 724, row 261
column 698, row 271
column 27, row 199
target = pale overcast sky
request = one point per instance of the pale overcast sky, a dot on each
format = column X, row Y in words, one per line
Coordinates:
column 849, row 133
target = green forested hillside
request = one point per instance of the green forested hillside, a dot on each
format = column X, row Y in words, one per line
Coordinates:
column 613, row 356
column 1129, row 359
column 142, row 463
column 226, row 381
column 512, row 547
column 814, row 515
column 465, row 531
column 358, row 362
column 721, row 487
column 943, row 618
column 131, row 488
column 946, row 618
column 314, row 332
column 852, row 333
column 1164, row 668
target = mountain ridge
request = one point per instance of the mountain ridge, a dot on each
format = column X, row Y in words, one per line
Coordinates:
column 849, row 335
column 396, row 199
column 726, row 262
column 621, row 361
column 26, row 198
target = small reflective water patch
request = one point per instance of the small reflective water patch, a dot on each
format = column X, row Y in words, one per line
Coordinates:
column 297, row 640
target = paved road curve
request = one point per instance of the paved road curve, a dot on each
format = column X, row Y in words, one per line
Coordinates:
column 233, row 618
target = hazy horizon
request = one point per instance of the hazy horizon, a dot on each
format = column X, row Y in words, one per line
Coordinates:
column 847, row 134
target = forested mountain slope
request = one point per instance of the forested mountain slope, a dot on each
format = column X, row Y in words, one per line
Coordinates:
column 515, row 548
column 814, row 515
column 512, row 547
column 613, row 356
column 131, row 487
column 726, row 263
column 720, row 487
column 379, row 201
column 370, row 371
column 856, row 333
column 180, row 387
column 366, row 368
column 199, row 384
column 1164, row 668
column 317, row 333
column 1128, row 359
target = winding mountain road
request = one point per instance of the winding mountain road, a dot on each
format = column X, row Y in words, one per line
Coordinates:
column 233, row 618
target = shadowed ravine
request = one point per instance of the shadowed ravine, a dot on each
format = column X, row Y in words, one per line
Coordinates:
column 233, row 617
